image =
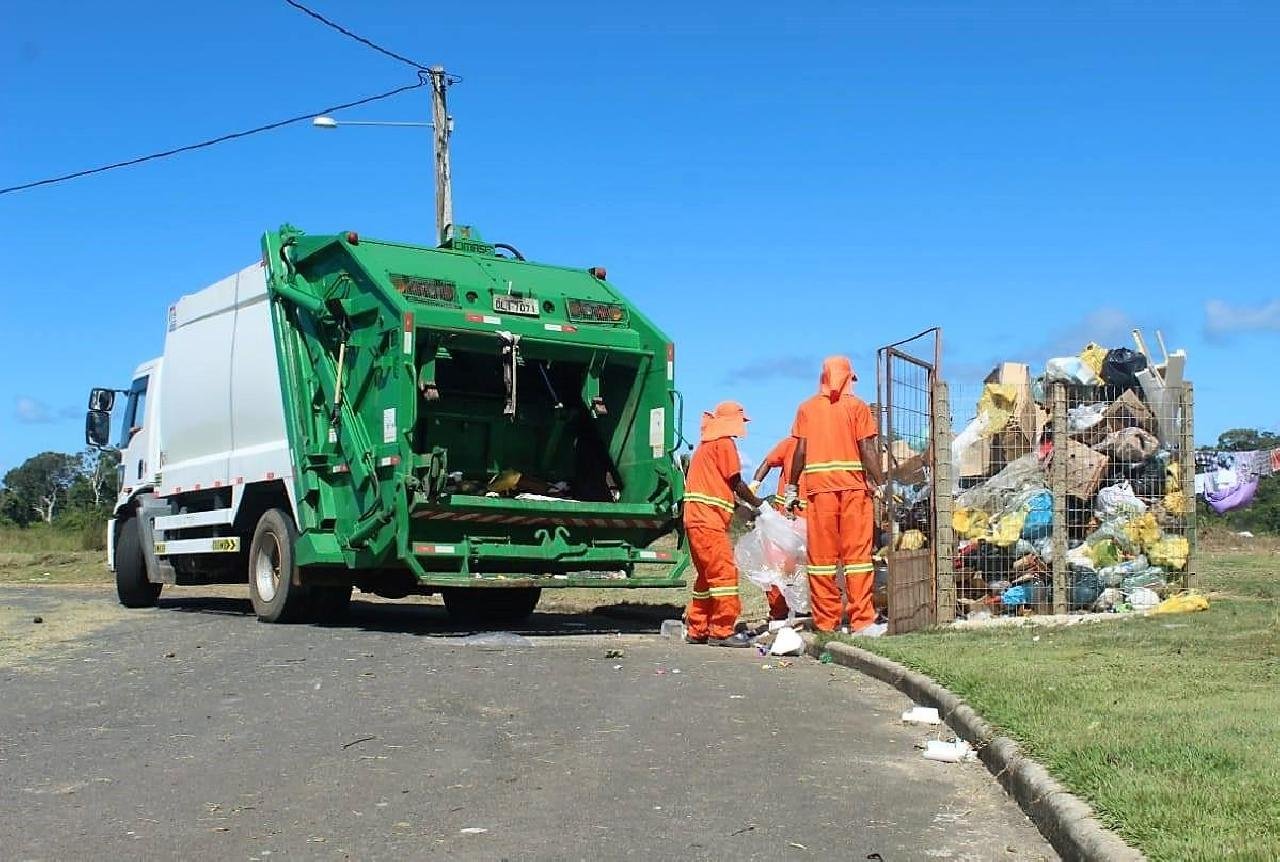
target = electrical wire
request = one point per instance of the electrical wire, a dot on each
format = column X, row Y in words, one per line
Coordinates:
column 423, row 81
column 362, row 40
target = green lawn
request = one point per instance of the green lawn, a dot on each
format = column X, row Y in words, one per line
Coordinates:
column 1168, row 725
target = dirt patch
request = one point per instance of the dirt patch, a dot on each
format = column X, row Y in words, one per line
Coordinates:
column 66, row 615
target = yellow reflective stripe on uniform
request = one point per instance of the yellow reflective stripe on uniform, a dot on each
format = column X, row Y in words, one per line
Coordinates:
column 833, row 466
column 708, row 500
column 723, row 591
column 700, row 594
column 823, row 571
column 860, row 568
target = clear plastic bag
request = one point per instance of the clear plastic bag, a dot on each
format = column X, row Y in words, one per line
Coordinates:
column 773, row 554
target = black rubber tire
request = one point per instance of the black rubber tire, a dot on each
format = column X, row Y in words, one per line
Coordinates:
column 330, row 604
column 272, row 546
column 490, row 605
column 132, row 586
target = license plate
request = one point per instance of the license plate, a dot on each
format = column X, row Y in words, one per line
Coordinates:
column 516, row 305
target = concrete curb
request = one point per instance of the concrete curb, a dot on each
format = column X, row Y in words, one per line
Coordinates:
column 1064, row 819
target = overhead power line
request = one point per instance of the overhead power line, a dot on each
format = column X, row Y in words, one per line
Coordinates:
column 423, row 81
column 362, row 40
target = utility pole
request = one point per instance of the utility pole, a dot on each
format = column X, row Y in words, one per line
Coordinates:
column 442, row 127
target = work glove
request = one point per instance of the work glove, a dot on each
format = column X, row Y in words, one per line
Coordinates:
column 755, row 487
column 790, row 497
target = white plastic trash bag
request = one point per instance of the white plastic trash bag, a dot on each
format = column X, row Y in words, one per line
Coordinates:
column 1119, row 500
column 772, row 554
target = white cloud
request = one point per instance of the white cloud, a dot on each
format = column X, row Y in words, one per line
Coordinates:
column 1109, row 327
column 1222, row 319
column 29, row 411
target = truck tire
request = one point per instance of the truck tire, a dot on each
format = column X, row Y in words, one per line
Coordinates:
column 330, row 604
column 490, row 604
column 132, row 586
column 276, row 598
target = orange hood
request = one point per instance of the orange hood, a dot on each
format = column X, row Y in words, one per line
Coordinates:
column 838, row 377
column 727, row 420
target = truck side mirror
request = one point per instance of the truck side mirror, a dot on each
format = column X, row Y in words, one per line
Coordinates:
column 102, row 400
column 97, row 428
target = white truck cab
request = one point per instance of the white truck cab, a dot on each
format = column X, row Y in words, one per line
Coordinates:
column 140, row 433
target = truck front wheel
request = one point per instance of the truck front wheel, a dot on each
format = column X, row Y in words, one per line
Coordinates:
column 276, row 598
column 132, row 586
column 490, row 604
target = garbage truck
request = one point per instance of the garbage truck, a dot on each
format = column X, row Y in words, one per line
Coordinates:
column 350, row 413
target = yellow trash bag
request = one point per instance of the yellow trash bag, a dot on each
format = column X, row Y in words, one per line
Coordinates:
column 1182, row 603
column 1171, row 552
column 1175, row 502
column 1143, row 531
column 997, row 404
column 1093, row 356
column 970, row 523
column 1007, row 529
column 911, row 540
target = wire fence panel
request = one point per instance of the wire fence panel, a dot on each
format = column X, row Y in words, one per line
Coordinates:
column 907, row 573
column 1069, row 497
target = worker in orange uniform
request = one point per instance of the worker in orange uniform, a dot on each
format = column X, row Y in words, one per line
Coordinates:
column 779, row 458
column 836, row 453
column 713, row 484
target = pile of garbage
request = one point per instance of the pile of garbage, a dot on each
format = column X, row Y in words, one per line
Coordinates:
column 1125, row 505
column 773, row 554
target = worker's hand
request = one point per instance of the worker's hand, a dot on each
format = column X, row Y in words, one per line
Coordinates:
column 877, row 491
column 790, row 497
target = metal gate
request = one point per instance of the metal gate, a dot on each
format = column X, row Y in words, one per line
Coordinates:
column 914, row 516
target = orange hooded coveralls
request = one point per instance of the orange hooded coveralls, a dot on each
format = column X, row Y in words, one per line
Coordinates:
column 708, row 507
column 780, row 457
column 839, row 517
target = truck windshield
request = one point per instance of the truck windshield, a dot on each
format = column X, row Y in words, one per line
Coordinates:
column 134, row 411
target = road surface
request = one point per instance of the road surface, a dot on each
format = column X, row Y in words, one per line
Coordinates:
column 193, row 731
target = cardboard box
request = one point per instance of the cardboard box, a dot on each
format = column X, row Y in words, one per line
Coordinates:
column 908, row 463
column 1127, row 411
column 1085, row 470
column 1026, row 421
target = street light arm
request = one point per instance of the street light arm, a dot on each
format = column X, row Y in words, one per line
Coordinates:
column 331, row 123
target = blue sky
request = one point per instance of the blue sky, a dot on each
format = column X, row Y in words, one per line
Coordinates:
column 771, row 183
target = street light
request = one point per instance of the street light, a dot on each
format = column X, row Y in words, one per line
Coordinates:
column 331, row 123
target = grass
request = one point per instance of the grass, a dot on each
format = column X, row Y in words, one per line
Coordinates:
column 1169, row 726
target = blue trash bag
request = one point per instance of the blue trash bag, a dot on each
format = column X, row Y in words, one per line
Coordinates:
column 1039, row 522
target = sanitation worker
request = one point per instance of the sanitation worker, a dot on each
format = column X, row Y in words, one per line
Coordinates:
column 779, row 458
column 713, row 484
column 836, row 454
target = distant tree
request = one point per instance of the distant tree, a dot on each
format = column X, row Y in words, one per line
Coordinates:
column 96, row 484
column 1247, row 440
column 41, row 484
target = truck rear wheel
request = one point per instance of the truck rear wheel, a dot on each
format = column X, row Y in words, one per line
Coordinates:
column 276, row 598
column 490, row 604
column 132, row 586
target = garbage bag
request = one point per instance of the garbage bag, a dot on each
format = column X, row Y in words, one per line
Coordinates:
column 1175, row 501
column 911, row 540
column 1171, row 552
column 783, row 543
column 1143, row 599
column 1144, row 530
column 1121, row 367
column 773, row 554
column 997, row 403
column 1114, row 575
column 1070, row 369
column 1152, row 577
column 1082, row 417
column 970, row 523
column 1020, row 474
column 1182, row 603
column 1085, row 589
column 1119, row 500
column 1094, row 355
column 1039, row 520
column 1006, row 529
column 1129, row 445
column 1151, row 477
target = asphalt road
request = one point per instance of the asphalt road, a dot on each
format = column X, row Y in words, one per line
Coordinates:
column 193, row 731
